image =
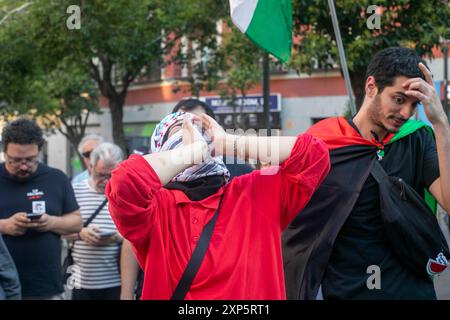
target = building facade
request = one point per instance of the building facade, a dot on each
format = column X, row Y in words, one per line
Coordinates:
column 301, row 100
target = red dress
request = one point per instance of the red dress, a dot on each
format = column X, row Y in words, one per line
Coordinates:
column 244, row 259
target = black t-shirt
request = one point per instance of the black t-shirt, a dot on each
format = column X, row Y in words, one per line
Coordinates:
column 362, row 240
column 37, row 255
column 236, row 167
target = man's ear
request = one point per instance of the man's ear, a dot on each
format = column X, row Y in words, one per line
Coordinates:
column 371, row 87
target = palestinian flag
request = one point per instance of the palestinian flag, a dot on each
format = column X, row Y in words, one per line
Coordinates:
column 338, row 133
column 268, row 23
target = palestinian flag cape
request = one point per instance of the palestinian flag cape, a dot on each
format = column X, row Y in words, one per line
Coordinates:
column 338, row 133
column 309, row 239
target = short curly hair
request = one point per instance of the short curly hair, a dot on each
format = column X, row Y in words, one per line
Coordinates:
column 392, row 62
column 22, row 131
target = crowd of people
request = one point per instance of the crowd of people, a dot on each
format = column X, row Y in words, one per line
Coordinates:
column 182, row 219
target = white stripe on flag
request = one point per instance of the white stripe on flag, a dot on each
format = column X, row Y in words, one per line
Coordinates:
column 242, row 12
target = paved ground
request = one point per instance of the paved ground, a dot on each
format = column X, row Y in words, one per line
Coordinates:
column 442, row 285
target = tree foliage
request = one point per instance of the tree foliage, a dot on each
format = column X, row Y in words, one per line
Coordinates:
column 117, row 42
column 411, row 23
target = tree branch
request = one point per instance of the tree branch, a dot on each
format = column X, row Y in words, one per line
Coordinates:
column 83, row 130
column 127, row 79
column 70, row 133
column 95, row 72
column 18, row 9
column 106, row 86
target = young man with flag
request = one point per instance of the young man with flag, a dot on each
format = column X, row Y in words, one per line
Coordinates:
column 340, row 234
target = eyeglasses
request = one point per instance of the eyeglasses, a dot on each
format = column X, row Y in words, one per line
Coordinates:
column 18, row 161
column 87, row 154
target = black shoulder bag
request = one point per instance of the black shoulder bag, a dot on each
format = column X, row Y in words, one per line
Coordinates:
column 196, row 259
column 68, row 261
column 411, row 227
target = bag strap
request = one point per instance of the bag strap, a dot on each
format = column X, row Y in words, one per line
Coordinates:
column 100, row 207
column 378, row 172
column 197, row 257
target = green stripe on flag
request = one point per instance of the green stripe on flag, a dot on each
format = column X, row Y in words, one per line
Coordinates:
column 271, row 27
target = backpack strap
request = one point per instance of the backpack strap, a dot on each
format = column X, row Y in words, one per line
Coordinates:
column 378, row 171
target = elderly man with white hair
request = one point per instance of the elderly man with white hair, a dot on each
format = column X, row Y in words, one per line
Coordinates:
column 85, row 148
column 96, row 247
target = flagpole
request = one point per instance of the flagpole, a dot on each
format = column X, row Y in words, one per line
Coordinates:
column 344, row 67
column 266, row 91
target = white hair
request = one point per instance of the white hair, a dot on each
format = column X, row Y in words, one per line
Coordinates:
column 108, row 152
column 93, row 136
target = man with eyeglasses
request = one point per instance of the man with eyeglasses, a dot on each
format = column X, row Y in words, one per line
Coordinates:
column 85, row 148
column 37, row 206
column 96, row 248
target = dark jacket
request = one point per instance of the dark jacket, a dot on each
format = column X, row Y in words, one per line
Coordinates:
column 9, row 279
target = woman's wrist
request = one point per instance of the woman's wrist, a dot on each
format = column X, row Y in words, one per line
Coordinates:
column 196, row 153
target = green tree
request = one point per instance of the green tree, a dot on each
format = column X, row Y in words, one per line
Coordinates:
column 60, row 98
column 411, row 23
column 119, row 41
column 224, row 61
column 241, row 63
column 63, row 100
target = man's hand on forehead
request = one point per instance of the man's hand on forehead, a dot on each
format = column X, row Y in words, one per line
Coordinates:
column 419, row 88
column 424, row 91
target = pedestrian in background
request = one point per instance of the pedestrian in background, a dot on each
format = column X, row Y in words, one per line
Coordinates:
column 9, row 279
column 96, row 248
column 37, row 206
column 85, row 148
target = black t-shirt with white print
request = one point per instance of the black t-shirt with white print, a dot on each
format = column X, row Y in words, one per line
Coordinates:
column 37, row 255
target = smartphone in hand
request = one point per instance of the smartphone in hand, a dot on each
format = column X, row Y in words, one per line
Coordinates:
column 34, row 216
column 106, row 234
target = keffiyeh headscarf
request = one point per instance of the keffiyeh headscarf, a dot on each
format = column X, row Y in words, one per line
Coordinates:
column 212, row 166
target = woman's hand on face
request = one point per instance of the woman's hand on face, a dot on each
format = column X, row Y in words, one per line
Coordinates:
column 193, row 136
column 215, row 133
column 190, row 134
